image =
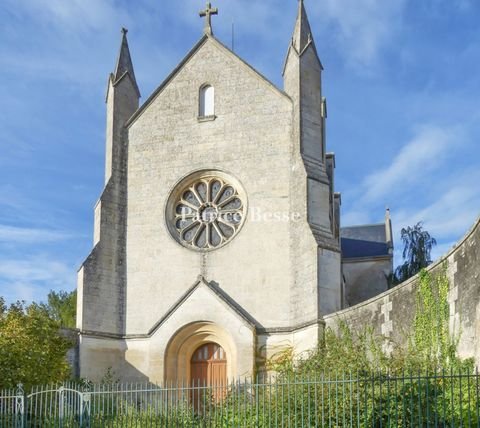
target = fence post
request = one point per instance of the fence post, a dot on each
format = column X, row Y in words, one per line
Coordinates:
column 61, row 403
column 20, row 406
column 85, row 405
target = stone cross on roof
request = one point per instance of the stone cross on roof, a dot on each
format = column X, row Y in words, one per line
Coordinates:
column 207, row 13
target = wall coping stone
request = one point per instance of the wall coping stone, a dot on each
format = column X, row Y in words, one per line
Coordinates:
column 399, row 288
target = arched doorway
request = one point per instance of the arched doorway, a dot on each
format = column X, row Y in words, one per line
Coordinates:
column 208, row 365
column 190, row 338
column 208, row 371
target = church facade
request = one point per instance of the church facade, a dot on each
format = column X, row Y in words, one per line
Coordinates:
column 217, row 236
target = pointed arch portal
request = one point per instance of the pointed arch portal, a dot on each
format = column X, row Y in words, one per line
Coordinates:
column 208, row 370
column 208, row 365
column 201, row 352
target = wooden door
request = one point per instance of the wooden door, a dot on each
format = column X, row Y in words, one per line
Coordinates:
column 208, row 373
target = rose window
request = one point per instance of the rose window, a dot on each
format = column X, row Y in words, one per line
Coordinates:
column 206, row 211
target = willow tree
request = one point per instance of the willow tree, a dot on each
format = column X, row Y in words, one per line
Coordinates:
column 418, row 244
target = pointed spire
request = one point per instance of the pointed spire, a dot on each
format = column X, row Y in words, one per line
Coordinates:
column 387, row 215
column 388, row 231
column 124, row 62
column 302, row 35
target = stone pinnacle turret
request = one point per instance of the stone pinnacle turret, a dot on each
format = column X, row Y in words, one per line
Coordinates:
column 124, row 62
column 302, row 34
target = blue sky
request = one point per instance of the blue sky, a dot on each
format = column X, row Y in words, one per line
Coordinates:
column 401, row 78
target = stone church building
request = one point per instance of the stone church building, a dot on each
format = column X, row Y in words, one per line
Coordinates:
column 217, row 239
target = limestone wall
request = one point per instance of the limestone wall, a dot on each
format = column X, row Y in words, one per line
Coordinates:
column 250, row 140
column 391, row 313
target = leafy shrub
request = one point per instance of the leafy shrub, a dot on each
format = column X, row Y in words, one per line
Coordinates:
column 32, row 350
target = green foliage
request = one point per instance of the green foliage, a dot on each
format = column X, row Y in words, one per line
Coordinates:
column 336, row 399
column 431, row 344
column 344, row 351
column 387, row 387
column 126, row 416
column 62, row 307
column 32, row 350
column 418, row 245
column 349, row 380
column 282, row 361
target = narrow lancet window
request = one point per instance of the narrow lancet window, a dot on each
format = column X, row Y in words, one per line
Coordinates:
column 207, row 101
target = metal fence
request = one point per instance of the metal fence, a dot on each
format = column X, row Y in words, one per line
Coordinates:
column 327, row 400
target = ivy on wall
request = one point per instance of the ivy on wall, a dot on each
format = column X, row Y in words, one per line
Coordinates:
column 431, row 339
column 429, row 345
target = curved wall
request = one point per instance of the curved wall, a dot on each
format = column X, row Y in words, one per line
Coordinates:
column 391, row 313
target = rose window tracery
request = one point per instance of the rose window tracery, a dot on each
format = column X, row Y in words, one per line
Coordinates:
column 208, row 211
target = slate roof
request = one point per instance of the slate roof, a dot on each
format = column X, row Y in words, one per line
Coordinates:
column 370, row 232
column 357, row 248
column 364, row 241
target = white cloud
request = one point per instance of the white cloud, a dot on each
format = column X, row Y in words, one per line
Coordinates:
column 22, row 235
column 360, row 29
column 61, row 40
column 32, row 278
column 78, row 16
column 355, row 216
column 424, row 153
column 448, row 218
column 363, row 27
column 437, row 7
column 33, row 269
column 71, row 27
column 422, row 184
column 447, row 233
column 452, row 214
column 19, row 291
column 255, row 18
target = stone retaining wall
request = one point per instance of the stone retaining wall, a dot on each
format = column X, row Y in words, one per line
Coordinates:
column 391, row 313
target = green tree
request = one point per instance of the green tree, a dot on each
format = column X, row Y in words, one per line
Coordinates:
column 32, row 348
column 62, row 307
column 418, row 244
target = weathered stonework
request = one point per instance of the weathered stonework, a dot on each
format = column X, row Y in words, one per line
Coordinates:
column 391, row 313
column 268, row 287
column 146, row 301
